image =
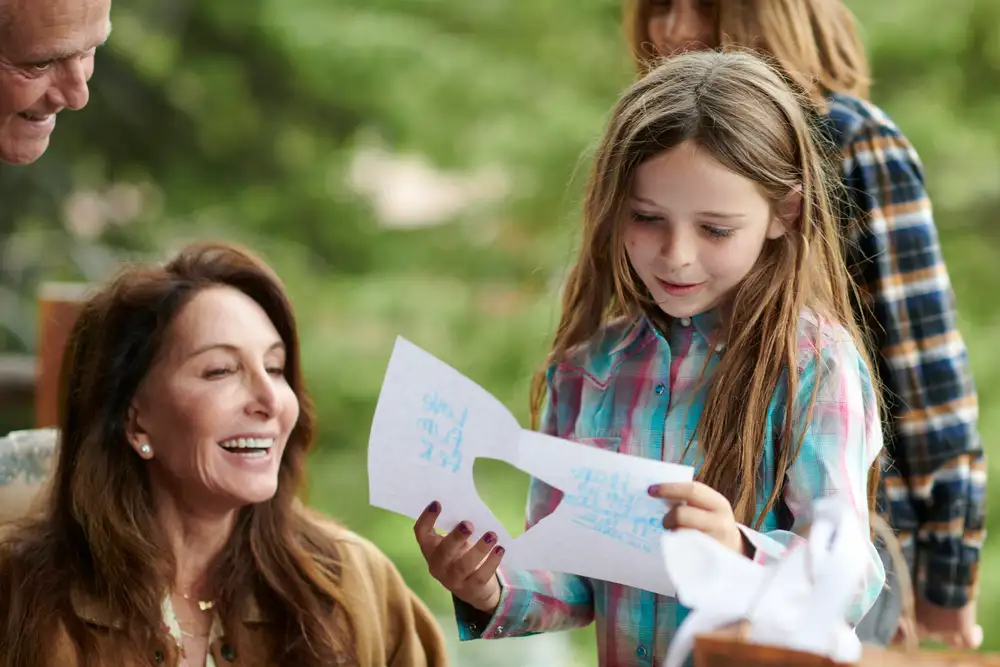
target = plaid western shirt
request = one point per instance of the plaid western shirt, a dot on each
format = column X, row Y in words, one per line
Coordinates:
column 935, row 484
column 637, row 391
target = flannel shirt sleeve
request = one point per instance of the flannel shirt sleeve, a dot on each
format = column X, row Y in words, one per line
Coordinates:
column 534, row 601
column 936, row 479
column 841, row 438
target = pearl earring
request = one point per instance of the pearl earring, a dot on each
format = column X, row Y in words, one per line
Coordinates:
column 145, row 450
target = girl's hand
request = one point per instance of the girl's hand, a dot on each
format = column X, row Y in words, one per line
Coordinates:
column 469, row 572
column 700, row 507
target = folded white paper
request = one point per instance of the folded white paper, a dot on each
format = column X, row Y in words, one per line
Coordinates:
column 799, row 602
column 432, row 422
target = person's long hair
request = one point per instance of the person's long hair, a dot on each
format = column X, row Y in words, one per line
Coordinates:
column 98, row 532
column 816, row 42
column 750, row 119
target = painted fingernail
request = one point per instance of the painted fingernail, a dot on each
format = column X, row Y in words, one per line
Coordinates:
column 653, row 489
column 434, row 507
column 489, row 538
column 465, row 528
column 498, row 550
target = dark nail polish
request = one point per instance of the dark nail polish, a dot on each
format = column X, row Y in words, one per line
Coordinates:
column 434, row 507
column 464, row 528
column 653, row 489
column 499, row 551
column 489, row 538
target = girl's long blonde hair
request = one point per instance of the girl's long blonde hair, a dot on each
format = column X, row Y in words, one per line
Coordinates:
column 750, row 119
column 816, row 42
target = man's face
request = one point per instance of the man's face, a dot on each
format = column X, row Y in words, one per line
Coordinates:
column 46, row 59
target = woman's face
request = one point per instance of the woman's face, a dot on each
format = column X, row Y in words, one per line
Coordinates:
column 215, row 408
column 676, row 26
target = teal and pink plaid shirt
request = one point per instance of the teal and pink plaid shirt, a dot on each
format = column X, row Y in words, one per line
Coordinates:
column 636, row 390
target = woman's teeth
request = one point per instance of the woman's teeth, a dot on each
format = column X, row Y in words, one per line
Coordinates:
column 249, row 447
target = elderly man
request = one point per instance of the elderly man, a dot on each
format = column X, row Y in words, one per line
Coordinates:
column 46, row 59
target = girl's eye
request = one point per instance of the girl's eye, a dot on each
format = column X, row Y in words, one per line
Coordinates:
column 718, row 232
column 644, row 218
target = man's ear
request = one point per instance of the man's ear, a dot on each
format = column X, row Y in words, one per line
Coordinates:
column 787, row 213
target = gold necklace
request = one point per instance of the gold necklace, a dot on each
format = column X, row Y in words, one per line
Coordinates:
column 204, row 605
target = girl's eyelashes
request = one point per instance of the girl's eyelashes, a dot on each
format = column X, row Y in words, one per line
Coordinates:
column 713, row 231
column 718, row 232
column 645, row 218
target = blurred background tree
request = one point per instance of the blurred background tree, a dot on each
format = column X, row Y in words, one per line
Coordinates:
column 414, row 167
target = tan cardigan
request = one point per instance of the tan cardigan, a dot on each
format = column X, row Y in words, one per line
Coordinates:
column 392, row 627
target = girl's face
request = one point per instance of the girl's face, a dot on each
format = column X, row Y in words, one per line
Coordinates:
column 695, row 229
column 681, row 25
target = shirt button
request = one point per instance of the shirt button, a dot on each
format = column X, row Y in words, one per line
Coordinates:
column 719, row 347
column 227, row 652
column 158, row 657
column 685, row 321
column 499, row 629
column 660, row 389
column 641, row 651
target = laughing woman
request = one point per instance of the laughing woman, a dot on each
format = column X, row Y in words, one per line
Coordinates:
column 173, row 535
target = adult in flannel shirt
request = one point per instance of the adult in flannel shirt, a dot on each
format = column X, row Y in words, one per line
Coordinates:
column 935, row 479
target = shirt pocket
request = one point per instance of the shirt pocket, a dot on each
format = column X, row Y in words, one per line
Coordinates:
column 607, row 443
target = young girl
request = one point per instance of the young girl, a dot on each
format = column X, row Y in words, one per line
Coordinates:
column 707, row 321
column 935, row 487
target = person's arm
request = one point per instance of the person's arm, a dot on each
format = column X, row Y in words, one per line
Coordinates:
column 841, row 438
column 936, row 483
column 533, row 601
column 410, row 633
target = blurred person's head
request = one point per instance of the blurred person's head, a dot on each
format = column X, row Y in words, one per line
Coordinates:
column 815, row 41
column 712, row 193
column 46, row 59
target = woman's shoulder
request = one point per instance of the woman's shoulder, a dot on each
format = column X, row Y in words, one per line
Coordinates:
column 359, row 556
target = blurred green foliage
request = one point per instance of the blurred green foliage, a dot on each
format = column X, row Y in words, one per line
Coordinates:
column 286, row 125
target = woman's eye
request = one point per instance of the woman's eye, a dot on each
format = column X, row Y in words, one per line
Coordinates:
column 217, row 372
column 276, row 370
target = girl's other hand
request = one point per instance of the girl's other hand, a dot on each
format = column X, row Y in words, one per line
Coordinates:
column 468, row 571
column 700, row 507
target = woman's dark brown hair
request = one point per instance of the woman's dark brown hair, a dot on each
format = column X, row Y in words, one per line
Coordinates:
column 98, row 534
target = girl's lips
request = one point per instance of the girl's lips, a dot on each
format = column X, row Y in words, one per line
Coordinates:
column 677, row 289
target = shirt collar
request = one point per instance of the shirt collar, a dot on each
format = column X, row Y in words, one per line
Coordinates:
column 97, row 612
column 706, row 324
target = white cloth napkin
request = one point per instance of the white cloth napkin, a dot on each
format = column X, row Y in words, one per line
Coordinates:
column 799, row 602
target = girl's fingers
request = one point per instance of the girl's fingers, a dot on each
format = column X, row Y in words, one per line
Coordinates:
column 694, row 518
column 470, row 561
column 452, row 546
column 488, row 569
column 423, row 529
column 691, row 493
